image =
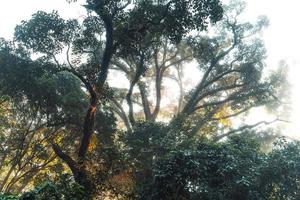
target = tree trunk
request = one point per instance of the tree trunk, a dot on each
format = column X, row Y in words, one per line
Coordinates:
column 88, row 128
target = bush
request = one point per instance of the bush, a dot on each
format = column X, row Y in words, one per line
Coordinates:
column 65, row 189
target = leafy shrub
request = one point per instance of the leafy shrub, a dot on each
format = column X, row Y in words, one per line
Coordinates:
column 64, row 189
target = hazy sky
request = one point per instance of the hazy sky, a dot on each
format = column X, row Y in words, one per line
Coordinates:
column 282, row 38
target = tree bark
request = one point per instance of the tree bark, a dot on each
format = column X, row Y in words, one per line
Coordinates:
column 88, row 127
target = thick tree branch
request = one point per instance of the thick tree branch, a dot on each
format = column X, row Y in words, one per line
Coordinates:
column 139, row 72
column 192, row 100
column 158, row 82
column 109, row 49
column 117, row 107
column 204, row 120
column 145, row 101
column 66, row 158
column 88, row 127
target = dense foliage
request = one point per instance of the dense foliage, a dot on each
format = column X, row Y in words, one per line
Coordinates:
column 69, row 131
column 232, row 169
column 65, row 188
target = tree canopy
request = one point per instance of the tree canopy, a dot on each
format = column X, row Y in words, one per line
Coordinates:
column 105, row 103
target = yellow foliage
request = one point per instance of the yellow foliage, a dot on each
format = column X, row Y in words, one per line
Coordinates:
column 221, row 114
column 93, row 143
column 59, row 139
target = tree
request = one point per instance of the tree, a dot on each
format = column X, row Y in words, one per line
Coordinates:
column 232, row 82
column 112, row 29
column 232, row 78
column 232, row 169
column 56, row 72
column 28, row 125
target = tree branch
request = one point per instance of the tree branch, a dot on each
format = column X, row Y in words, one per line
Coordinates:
column 66, row 158
column 192, row 101
column 120, row 111
column 234, row 96
column 243, row 128
column 145, row 101
column 139, row 71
